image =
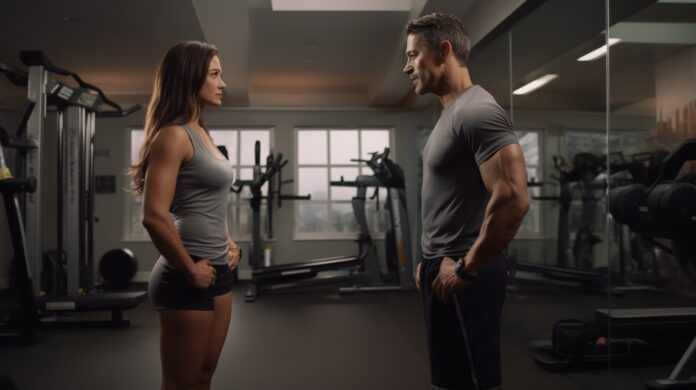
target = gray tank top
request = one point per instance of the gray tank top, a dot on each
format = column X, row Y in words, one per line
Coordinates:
column 200, row 202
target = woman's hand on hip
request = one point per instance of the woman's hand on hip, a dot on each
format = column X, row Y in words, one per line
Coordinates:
column 234, row 254
column 202, row 275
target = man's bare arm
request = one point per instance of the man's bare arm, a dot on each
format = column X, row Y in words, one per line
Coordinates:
column 505, row 177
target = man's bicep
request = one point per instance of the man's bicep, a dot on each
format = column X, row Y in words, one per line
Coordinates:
column 505, row 170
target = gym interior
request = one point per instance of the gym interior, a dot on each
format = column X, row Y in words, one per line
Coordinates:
column 602, row 273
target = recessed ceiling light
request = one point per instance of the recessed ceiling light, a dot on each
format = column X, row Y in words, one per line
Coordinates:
column 340, row 5
column 534, row 85
column 71, row 19
column 600, row 52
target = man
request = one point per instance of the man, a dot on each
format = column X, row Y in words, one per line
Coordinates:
column 474, row 199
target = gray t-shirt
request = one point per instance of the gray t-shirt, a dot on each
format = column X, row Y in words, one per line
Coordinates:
column 470, row 130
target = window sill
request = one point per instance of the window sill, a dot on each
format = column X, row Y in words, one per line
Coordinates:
column 331, row 237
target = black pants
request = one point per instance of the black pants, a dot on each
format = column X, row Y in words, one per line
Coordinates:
column 480, row 305
column 169, row 290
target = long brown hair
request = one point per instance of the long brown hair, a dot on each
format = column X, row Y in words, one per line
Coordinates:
column 180, row 76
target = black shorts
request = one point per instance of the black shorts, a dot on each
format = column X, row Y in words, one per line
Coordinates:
column 169, row 289
column 480, row 304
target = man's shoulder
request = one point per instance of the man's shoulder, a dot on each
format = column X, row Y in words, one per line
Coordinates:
column 479, row 106
column 475, row 98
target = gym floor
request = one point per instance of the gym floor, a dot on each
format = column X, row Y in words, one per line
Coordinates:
column 318, row 340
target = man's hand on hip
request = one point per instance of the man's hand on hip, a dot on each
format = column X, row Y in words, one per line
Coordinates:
column 416, row 276
column 447, row 282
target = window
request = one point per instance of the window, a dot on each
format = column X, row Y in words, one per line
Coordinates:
column 240, row 144
column 133, row 227
column 531, row 147
column 240, row 147
column 324, row 155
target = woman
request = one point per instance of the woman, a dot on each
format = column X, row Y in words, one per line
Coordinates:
column 181, row 171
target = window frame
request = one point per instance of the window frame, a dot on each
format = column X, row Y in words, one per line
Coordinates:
column 540, row 232
column 328, row 234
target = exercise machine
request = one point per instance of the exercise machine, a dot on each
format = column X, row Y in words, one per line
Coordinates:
column 18, row 312
column 639, row 270
column 397, row 241
column 279, row 277
column 359, row 272
column 71, row 269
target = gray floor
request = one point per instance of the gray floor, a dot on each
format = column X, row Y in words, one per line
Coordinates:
column 309, row 341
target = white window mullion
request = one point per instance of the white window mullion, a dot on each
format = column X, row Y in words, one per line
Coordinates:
column 329, row 195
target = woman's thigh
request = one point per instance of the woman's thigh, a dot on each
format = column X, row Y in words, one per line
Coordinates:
column 220, row 325
column 185, row 337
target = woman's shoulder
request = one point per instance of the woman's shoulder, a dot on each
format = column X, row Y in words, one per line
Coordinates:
column 171, row 133
column 172, row 138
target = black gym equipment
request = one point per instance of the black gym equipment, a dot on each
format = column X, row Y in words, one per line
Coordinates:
column 117, row 267
column 68, row 270
column 639, row 271
column 18, row 307
column 359, row 272
column 665, row 214
column 397, row 240
column 666, row 210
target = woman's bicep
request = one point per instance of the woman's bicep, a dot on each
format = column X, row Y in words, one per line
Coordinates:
column 166, row 157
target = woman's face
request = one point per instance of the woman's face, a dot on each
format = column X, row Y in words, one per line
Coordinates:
column 211, row 91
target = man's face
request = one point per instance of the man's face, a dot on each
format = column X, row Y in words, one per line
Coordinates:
column 421, row 65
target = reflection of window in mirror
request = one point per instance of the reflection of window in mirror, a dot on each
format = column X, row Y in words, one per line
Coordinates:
column 530, row 142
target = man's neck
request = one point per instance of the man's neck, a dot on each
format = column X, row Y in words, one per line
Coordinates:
column 454, row 83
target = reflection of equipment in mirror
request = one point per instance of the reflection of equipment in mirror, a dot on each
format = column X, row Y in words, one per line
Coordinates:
column 664, row 214
column 577, row 237
column 362, row 272
column 666, row 211
column 574, row 263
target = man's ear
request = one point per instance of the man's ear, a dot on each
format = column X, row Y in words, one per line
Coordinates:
column 445, row 50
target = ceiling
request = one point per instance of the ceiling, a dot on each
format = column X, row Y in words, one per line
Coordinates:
column 648, row 33
column 269, row 58
column 348, row 58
